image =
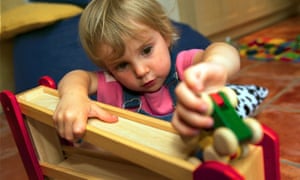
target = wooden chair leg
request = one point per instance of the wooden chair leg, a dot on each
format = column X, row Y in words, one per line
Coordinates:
column 18, row 127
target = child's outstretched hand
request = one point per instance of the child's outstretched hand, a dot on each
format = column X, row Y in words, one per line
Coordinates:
column 191, row 111
column 72, row 113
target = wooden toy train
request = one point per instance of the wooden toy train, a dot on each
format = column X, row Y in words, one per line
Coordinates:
column 230, row 136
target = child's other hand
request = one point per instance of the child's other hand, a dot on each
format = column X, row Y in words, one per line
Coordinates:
column 191, row 111
column 72, row 113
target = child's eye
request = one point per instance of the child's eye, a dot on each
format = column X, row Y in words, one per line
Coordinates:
column 122, row 66
column 147, row 50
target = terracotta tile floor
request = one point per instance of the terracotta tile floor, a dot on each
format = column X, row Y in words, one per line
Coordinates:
column 280, row 111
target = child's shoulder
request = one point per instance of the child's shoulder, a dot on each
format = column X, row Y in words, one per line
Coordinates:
column 188, row 54
column 109, row 89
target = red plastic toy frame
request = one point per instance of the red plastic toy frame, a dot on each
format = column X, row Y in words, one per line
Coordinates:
column 207, row 170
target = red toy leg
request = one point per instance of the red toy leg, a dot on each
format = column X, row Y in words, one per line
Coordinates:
column 47, row 81
column 17, row 125
column 216, row 170
column 270, row 144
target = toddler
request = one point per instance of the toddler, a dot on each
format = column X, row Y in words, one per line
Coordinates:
column 131, row 41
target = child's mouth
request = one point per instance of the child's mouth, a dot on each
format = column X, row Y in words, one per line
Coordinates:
column 149, row 83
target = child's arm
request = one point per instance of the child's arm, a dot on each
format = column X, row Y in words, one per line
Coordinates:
column 75, row 106
column 210, row 71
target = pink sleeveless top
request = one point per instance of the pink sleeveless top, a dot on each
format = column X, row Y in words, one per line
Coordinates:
column 158, row 103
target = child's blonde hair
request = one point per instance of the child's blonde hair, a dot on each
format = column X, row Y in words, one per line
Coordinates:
column 110, row 22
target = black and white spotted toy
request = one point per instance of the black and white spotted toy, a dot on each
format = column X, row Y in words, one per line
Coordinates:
column 249, row 98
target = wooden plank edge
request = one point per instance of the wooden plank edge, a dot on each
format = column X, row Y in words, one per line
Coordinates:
column 149, row 158
column 58, row 172
column 133, row 116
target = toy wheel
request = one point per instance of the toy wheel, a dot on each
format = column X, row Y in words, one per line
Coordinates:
column 232, row 97
column 244, row 150
column 255, row 129
column 225, row 142
column 209, row 102
column 209, row 154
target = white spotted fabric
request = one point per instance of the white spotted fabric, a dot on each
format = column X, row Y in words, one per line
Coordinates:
column 249, row 98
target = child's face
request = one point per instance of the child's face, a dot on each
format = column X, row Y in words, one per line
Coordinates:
column 145, row 63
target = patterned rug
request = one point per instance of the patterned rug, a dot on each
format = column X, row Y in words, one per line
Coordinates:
column 272, row 49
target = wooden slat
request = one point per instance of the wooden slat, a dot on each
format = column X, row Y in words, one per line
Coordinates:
column 46, row 139
column 82, row 166
column 57, row 172
column 251, row 166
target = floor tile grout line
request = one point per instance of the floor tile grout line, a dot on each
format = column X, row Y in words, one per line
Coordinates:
column 8, row 153
column 288, row 109
column 255, row 74
column 291, row 163
column 263, row 107
column 248, row 67
column 279, row 94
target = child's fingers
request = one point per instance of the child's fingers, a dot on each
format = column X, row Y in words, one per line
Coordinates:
column 205, row 77
column 192, row 78
column 182, row 127
column 193, row 119
column 77, row 128
column 101, row 114
column 189, row 99
column 60, row 128
column 61, row 123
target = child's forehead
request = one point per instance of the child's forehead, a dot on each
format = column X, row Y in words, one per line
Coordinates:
column 112, row 50
column 142, row 34
column 141, row 30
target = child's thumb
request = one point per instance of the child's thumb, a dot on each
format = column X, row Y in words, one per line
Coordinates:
column 101, row 114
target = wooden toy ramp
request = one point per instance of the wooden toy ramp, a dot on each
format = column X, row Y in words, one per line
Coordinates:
column 136, row 147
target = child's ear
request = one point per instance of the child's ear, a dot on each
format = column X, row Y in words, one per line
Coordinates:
column 168, row 41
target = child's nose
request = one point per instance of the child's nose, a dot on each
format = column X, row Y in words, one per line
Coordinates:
column 141, row 69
